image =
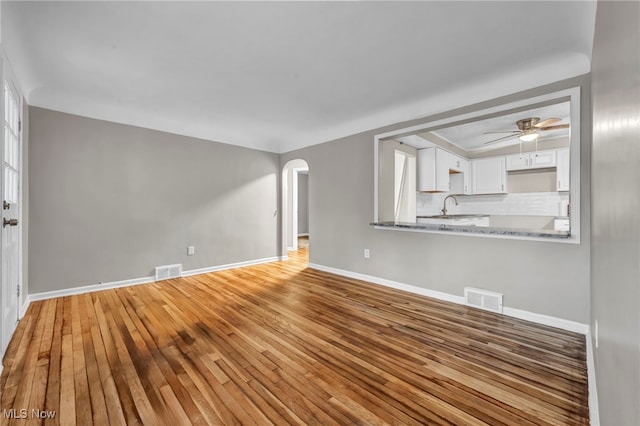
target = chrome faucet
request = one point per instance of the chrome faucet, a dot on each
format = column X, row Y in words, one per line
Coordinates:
column 444, row 207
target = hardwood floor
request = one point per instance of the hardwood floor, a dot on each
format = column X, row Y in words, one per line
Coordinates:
column 282, row 344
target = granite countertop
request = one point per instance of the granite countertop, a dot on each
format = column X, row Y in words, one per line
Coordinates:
column 545, row 233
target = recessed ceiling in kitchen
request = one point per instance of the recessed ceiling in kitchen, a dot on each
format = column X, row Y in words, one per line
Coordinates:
column 478, row 134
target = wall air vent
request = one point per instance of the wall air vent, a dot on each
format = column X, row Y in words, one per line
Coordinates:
column 483, row 299
column 168, row 271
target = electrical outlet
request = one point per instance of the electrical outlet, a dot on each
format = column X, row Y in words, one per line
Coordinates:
column 595, row 334
column 367, row 254
column 191, row 250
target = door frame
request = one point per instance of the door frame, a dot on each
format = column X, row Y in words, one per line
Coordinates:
column 6, row 74
column 289, row 206
column 294, row 205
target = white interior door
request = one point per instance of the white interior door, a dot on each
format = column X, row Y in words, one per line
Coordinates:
column 11, row 163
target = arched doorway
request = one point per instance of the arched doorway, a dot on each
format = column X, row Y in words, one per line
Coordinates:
column 295, row 206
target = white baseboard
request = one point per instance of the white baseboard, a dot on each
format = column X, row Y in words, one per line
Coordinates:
column 512, row 312
column 576, row 327
column 594, row 411
column 24, row 307
column 89, row 288
column 230, row 266
column 304, row 234
column 388, row 283
column 136, row 281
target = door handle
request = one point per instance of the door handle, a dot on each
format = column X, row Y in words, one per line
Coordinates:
column 10, row 222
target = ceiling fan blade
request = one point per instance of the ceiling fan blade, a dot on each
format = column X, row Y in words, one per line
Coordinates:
column 559, row 126
column 503, row 138
column 546, row 122
column 502, row 131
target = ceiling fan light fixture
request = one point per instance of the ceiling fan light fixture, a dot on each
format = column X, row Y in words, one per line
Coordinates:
column 528, row 137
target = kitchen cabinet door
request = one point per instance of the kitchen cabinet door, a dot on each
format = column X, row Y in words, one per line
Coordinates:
column 531, row 160
column 456, row 163
column 542, row 159
column 518, row 162
column 460, row 182
column 433, row 170
column 563, row 170
column 466, row 178
column 489, row 175
column 443, row 161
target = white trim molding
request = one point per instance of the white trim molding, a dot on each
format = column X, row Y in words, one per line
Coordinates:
column 564, row 324
column 136, row 281
column 230, row 266
column 89, row 288
column 594, row 411
column 389, row 283
column 24, row 307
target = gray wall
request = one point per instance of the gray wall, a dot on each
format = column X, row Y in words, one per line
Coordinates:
column 303, row 203
column 541, row 277
column 616, row 221
column 109, row 202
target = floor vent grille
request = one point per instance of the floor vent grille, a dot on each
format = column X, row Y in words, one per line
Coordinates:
column 168, row 271
column 483, row 299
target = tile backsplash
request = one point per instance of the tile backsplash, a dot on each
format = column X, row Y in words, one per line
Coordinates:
column 516, row 204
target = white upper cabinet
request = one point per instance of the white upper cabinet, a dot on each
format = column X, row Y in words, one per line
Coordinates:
column 433, row 170
column 531, row 160
column 563, row 170
column 542, row 159
column 459, row 175
column 489, row 175
column 457, row 164
column 518, row 162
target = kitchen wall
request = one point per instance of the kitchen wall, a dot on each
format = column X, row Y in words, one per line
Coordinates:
column 615, row 246
column 109, row 202
column 542, row 277
column 512, row 204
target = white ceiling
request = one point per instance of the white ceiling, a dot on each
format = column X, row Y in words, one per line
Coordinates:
column 282, row 75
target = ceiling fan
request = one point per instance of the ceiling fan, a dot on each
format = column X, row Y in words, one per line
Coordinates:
column 529, row 129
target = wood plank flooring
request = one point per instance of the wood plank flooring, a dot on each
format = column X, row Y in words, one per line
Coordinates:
column 282, row 344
